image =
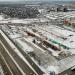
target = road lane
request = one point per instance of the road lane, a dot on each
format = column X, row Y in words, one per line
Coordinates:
column 19, row 61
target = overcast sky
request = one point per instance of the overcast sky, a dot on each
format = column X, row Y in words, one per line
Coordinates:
column 10, row 0
column 37, row 0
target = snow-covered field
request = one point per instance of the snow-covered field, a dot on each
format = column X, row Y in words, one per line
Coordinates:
column 58, row 33
column 48, row 32
column 23, row 21
column 1, row 17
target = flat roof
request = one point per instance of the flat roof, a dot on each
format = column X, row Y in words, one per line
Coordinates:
column 57, row 33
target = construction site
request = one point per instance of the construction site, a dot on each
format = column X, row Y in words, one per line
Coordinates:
column 43, row 45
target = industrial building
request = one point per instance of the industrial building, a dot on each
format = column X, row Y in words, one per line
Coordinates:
column 58, row 8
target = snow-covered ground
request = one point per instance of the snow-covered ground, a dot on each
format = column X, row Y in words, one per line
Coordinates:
column 17, row 52
column 61, row 15
column 1, row 70
column 20, row 41
column 1, row 17
column 23, row 21
column 57, row 33
column 52, row 32
column 24, row 45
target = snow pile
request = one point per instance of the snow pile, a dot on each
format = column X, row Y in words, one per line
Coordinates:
column 54, row 53
column 1, row 71
column 52, row 69
column 24, row 45
column 1, row 17
column 15, row 36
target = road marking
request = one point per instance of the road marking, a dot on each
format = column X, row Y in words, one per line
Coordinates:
column 6, row 64
column 13, row 59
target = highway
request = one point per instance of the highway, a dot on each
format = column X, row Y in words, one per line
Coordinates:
column 30, row 61
column 15, row 64
column 9, row 62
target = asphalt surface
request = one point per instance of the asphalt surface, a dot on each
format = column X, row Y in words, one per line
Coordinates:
column 26, row 69
column 31, row 62
column 9, row 61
